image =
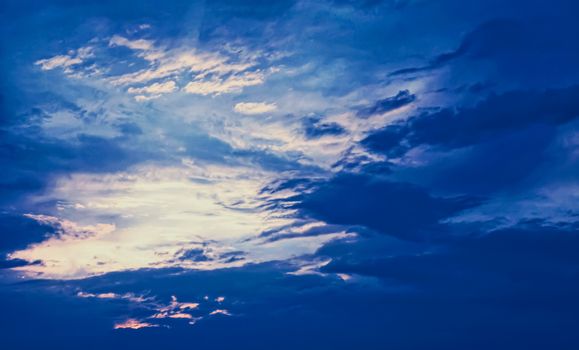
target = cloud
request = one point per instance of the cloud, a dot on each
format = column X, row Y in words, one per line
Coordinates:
column 254, row 107
column 152, row 91
column 207, row 233
column 389, row 104
column 140, row 44
column 19, row 231
column 58, row 61
column 209, row 73
column 218, row 86
column 489, row 38
column 132, row 323
column 509, row 137
column 14, row 263
column 109, row 295
column 393, row 208
column 462, row 267
column 450, row 128
column 220, row 312
column 315, row 128
column 68, row 229
column 203, row 72
column 511, row 50
column 175, row 310
column 65, row 61
column 387, row 201
column 155, row 88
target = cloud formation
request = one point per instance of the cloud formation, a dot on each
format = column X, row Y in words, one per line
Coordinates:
column 293, row 174
column 254, row 107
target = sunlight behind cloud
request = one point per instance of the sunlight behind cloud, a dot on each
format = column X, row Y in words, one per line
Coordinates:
column 154, row 217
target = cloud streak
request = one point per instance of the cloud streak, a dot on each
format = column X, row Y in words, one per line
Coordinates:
column 254, row 107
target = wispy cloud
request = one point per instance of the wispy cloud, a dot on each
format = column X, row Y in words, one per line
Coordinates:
column 132, row 323
column 202, row 72
column 140, row 44
column 75, row 57
column 217, row 86
column 254, row 107
column 220, row 312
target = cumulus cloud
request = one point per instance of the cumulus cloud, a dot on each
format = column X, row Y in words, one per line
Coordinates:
column 254, row 107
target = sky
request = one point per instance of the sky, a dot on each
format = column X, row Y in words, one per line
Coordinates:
column 248, row 174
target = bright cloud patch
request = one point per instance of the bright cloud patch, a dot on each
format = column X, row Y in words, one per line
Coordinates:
column 219, row 86
column 201, row 72
column 140, row 44
column 190, row 216
column 133, row 324
column 156, row 88
column 254, row 107
column 65, row 61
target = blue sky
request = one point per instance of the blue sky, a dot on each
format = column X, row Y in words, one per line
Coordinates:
column 395, row 174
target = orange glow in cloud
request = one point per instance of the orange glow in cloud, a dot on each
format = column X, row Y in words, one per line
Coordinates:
column 132, row 323
column 220, row 312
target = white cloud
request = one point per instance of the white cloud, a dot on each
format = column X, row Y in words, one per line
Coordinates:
column 206, row 68
column 204, row 73
column 58, row 61
column 220, row 312
column 127, row 296
column 160, row 212
column 234, row 83
column 254, row 107
column 65, row 61
column 149, row 201
column 143, row 98
column 139, row 44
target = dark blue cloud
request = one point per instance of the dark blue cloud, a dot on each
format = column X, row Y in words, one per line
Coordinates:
column 517, row 281
column 30, row 161
column 196, row 255
column 498, row 114
column 315, row 128
column 18, row 231
column 514, row 268
column 521, row 50
column 394, row 208
column 401, row 99
column 507, row 137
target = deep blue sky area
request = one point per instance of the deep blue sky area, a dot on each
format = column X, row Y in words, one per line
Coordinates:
column 333, row 174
